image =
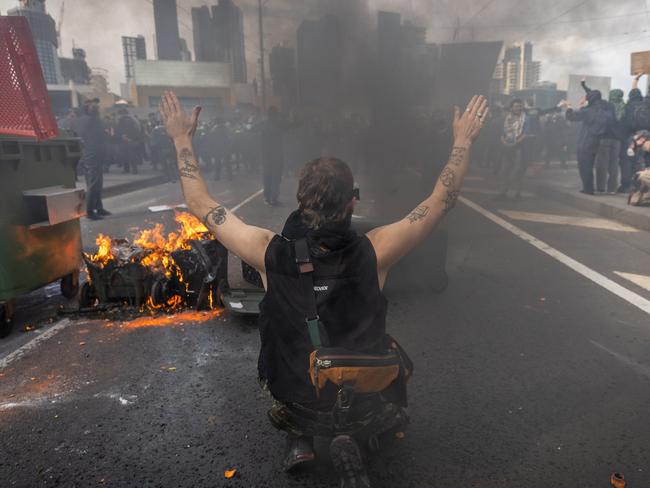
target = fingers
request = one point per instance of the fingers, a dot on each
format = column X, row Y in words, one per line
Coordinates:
column 163, row 114
column 165, row 104
column 479, row 102
column 482, row 107
column 175, row 103
column 456, row 113
column 470, row 105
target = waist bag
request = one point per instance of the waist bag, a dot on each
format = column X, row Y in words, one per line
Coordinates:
column 363, row 373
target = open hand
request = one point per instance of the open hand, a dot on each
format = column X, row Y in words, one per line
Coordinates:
column 467, row 126
column 177, row 123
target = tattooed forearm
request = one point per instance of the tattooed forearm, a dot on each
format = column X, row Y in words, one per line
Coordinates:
column 189, row 168
column 450, row 200
column 458, row 155
column 418, row 214
column 216, row 216
column 448, row 177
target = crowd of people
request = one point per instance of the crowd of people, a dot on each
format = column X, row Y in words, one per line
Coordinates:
column 607, row 137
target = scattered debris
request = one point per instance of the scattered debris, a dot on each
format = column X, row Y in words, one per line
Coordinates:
column 230, row 473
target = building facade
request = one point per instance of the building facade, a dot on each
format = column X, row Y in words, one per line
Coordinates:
column 167, row 37
column 206, row 84
column 45, row 38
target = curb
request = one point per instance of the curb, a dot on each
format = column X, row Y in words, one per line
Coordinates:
column 638, row 217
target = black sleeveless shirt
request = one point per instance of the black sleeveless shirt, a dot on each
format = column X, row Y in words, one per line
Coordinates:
column 350, row 305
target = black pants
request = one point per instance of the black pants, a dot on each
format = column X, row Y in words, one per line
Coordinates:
column 94, row 173
column 272, row 179
column 586, row 161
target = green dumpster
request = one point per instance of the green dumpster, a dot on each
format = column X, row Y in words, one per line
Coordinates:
column 40, row 208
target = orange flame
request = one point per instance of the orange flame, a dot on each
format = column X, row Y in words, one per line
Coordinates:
column 158, row 246
column 104, row 253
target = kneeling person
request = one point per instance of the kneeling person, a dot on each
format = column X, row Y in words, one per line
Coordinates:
column 323, row 286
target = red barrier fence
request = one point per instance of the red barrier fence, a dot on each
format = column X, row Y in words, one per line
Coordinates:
column 24, row 103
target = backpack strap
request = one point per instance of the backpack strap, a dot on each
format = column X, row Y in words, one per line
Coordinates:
column 306, row 278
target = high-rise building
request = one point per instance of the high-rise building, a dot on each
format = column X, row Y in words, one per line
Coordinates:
column 76, row 69
column 282, row 65
column 45, row 38
column 205, row 35
column 518, row 71
column 186, row 54
column 319, row 51
column 133, row 48
column 229, row 25
column 167, row 37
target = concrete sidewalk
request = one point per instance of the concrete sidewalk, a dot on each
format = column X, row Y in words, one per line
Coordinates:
column 564, row 186
column 117, row 183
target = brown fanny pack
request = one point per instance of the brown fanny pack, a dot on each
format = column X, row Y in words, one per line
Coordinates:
column 364, row 373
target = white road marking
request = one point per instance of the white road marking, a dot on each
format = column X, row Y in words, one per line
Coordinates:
column 248, row 200
column 487, row 191
column 639, row 368
column 639, row 280
column 611, row 286
column 588, row 222
column 34, row 343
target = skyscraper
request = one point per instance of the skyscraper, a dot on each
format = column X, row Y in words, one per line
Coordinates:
column 45, row 38
column 518, row 70
column 229, row 24
column 167, row 37
column 205, row 34
column 133, row 48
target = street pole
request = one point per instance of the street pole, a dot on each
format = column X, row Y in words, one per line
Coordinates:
column 262, row 63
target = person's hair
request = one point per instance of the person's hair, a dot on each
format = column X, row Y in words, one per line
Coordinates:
column 516, row 100
column 325, row 191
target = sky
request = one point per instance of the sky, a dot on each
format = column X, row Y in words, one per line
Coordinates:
column 584, row 37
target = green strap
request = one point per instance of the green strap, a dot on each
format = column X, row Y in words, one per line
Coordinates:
column 314, row 333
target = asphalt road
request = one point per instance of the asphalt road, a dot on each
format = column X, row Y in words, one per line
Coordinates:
column 531, row 370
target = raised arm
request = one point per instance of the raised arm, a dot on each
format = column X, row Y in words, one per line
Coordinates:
column 246, row 241
column 394, row 241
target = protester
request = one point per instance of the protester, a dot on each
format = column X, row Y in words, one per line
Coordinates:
column 128, row 134
column 597, row 117
column 162, row 151
column 272, row 154
column 219, row 147
column 609, row 150
column 321, row 248
column 514, row 162
column 556, row 139
column 90, row 129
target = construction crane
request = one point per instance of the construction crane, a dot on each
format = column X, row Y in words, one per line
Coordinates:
column 59, row 26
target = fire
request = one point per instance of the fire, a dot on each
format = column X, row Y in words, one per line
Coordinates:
column 104, row 251
column 161, row 246
column 152, row 248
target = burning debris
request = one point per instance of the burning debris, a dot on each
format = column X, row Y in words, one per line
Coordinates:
column 158, row 271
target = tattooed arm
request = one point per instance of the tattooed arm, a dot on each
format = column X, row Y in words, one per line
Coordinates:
column 392, row 242
column 246, row 241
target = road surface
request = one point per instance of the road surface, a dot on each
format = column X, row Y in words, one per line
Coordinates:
column 532, row 368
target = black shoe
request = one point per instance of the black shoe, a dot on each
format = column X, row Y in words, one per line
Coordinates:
column 299, row 453
column 586, row 192
column 103, row 212
column 348, row 462
column 94, row 216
